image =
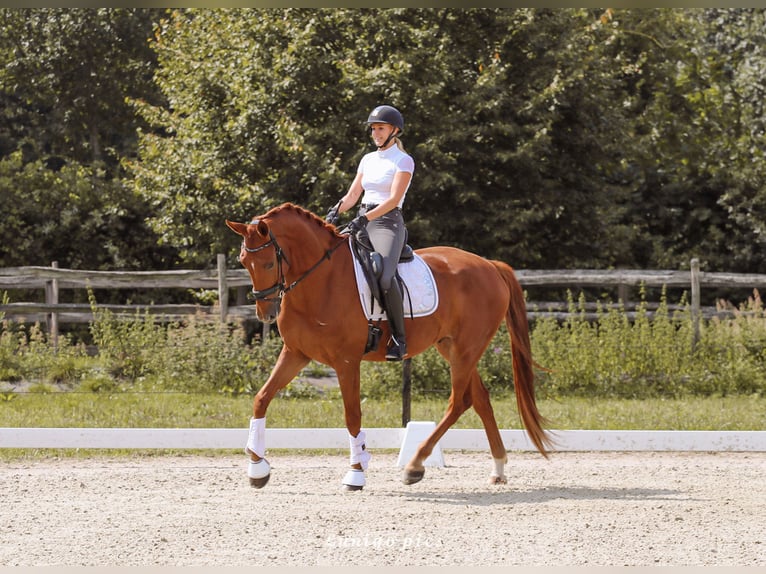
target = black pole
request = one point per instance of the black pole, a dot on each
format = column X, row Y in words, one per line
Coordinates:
column 406, row 390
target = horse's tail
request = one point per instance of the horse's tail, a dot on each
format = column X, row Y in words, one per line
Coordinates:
column 523, row 365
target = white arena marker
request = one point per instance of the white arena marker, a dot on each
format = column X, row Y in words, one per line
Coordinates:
column 415, row 433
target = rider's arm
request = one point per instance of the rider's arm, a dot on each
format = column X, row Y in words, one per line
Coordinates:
column 352, row 195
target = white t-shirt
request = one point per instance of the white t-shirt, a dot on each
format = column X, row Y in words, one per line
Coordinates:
column 378, row 169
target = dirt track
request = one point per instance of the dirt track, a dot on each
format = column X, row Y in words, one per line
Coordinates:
column 576, row 509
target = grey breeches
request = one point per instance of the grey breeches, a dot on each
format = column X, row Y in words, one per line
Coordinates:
column 387, row 235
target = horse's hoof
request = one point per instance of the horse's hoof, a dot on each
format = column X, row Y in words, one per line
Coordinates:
column 259, row 482
column 413, row 476
column 353, row 481
column 258, row 472
column 498, row 480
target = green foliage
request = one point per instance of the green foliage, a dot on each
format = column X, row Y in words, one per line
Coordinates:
column 537, row 133
column 65, row 74
column 10, row 360
column 195, row 356
column 642, row 355
column 652, row 356
column 98, row 382
column 733, row 350
column 60, row 215
column 128, row 347
column 65, row 130
column 646, row 356
column 200, row 356
column 614, row 356
column 27, row 355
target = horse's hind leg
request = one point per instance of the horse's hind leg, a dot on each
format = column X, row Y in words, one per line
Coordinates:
column 483, row 407
column 415, row 470
column 459, row 401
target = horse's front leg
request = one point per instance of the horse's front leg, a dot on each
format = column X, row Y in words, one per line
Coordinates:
column 348, row 380
column 287, row 367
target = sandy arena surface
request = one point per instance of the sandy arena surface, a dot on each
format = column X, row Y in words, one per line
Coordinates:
column 636, row 509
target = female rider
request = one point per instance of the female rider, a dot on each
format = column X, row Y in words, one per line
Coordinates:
column 383, row 176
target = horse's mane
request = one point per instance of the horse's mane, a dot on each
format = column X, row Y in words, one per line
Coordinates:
column 305, row 213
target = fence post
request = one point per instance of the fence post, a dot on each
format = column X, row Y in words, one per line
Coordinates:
column 406, row 391
column 223, row 287
column 622, row 294
column 696, row 303
column 52, row 298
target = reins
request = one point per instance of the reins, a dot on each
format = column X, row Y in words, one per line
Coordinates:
column 280, row 285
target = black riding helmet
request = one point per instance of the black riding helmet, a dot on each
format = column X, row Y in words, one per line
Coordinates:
column 387, row 115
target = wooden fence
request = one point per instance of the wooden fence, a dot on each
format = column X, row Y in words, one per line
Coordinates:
column 53, row 279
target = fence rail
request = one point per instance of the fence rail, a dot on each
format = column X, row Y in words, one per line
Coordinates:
column 52, row 279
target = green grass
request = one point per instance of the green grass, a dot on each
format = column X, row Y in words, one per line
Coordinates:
column 183, row 410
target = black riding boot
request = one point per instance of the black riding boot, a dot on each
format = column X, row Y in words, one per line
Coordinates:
column 397, row 347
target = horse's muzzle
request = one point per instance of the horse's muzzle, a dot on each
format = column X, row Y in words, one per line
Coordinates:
column 267, row 311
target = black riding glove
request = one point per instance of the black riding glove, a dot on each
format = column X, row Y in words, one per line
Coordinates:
column 332, row 215
column 358, row 228
column 358, row 224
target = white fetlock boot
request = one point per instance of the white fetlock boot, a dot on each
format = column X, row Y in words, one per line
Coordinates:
column 498, row 475
column 258, row 472
column 354, row 479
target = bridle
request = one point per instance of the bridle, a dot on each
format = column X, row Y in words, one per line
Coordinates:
column 280, row 287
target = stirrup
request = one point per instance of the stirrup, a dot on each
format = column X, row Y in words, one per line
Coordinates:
column 395, row 350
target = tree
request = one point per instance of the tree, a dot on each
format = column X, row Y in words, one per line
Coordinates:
column 732, row 110
column 68, row 72
column 65, row 128
column 547, row 138
column 267, row 106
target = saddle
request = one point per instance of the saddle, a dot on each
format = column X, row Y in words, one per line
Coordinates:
column 371, row 263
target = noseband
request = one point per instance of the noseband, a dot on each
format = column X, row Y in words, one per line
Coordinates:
column 280, row 287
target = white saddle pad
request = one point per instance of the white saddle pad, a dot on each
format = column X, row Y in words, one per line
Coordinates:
column 419, row 286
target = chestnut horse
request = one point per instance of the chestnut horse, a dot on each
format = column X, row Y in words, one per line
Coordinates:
column 302, row 276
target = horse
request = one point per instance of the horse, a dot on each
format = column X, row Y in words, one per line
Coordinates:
column 301, row 269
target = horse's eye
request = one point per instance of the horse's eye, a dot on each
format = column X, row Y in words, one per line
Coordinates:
column 269, row 266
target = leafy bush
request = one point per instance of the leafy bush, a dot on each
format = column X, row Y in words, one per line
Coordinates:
column 11, row 368
column 619, row 355
column 208, row 356
column 126, row 347
column 615, row 356
column 26, row 355
column 197, row 355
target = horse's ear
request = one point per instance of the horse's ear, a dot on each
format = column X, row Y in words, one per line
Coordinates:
column 240, row 228
column 261, row 227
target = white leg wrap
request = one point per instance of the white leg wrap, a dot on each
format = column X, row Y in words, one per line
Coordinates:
column 354, row 478
column 258, row 469
column 256, row 440
column 498, row 475
column 359, row 454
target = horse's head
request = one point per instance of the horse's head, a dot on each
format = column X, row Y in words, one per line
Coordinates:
column 307, row 239
column 261, row 255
